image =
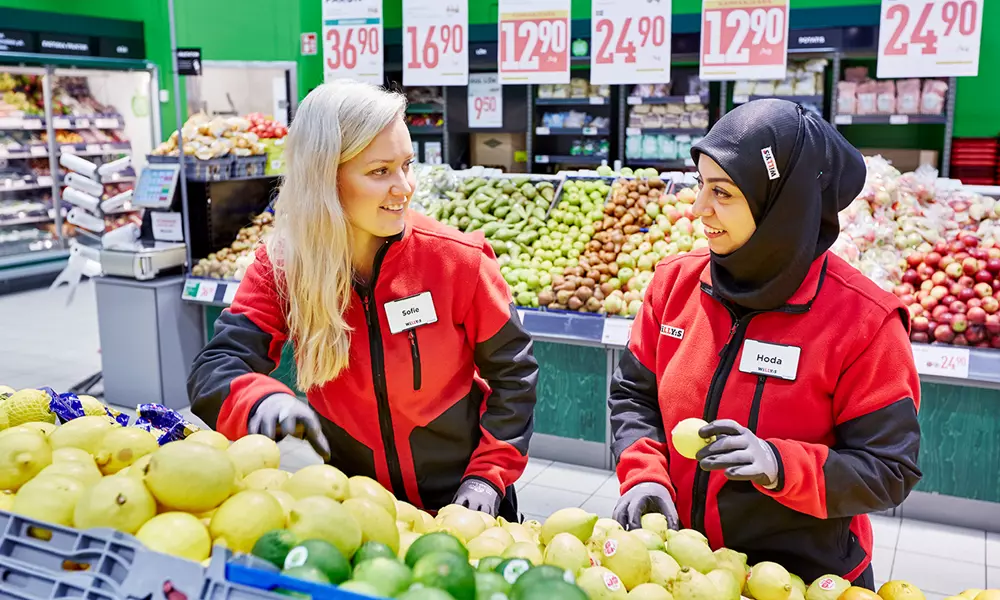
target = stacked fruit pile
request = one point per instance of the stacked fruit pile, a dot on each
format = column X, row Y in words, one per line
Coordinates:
column 232, row 262
column 265, row 127
column 206, row 138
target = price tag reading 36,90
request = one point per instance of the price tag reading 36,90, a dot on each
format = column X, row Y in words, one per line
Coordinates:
column 534, row 41
column 744, row 39
column 930, row 38
column 631, row 42
column 352, row 40
column 434, row 42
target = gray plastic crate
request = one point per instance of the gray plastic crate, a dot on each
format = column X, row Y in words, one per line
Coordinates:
column 245, row 167
column 217, row 587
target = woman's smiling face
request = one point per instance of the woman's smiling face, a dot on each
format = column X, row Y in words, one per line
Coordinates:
column 723, row 209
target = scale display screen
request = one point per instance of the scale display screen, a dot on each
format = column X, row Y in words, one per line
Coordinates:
column 156, row 185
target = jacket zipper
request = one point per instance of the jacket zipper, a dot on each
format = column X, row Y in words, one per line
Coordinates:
column 415, row 353
column 378, row 378
column 758, row 392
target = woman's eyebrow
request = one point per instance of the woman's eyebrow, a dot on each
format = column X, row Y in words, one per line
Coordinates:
column 719, row 180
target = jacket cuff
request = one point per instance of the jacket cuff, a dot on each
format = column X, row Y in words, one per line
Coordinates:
column 776, row 489
column 245, row 393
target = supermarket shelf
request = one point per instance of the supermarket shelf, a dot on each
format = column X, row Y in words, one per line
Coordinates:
column 571, row 131
column 890, row 119
column 665, row 130
column 424, row 109
column 689, row 99
column 799, row 99
column 27, row 221
column 23, row 247
column 686, row 163
column 31, row 183
column 21, row 123
column 566, row 159
column 31, row 151
column 33, row 258
column 110, row 121
column 425, row 130
column 96, row 149
column 592, row 101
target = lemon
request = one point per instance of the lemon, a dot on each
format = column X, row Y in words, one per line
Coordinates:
column 407, row 513
column 500, row 534
column 190, row 477
column 376, row 524
column 121, row 503
column 23, row 454
column 254, row 452
column 85, row 473
column 626, row 556
column 244, row 518
column 72, row 455
column 318, row 480
column 286, row 500
column 122, row 446
column 6, row 500
column 424, row 524
column 35, row 426
column 526, row 550
column 323, row 518
column 6, row 391
column 467, row 524
column 26, row 406
column 178, row 534
column 266, row 479
column 4, row 423
column 685, row 437
column 138, row 468
column 84, row 433
column 360, row 486
column 209, row 438
column 92, row 406
column 575, row 521
column 481, row 547
column 568, row 552
column 52, row 499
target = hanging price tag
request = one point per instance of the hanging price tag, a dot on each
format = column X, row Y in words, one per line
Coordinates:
column 435, row 33
column 534, row 41
column 631, row 41
column 485, row 101
column 352, row 40
column 744, row 39
column 946, row 361
column 616, row 331
column 61, row 123
column 930, row 38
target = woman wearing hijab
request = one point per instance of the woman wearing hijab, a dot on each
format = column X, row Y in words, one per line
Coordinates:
column 801, row 365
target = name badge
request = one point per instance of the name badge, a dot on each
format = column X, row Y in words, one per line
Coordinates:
column 407, row 313
column 772, row 360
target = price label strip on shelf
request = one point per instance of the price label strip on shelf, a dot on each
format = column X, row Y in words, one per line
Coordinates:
column 631, row 42
column 930, row 38
column 485, row 96
column 944, row 361
column 744, row 39
column 534, row 41
column 435, row 35
column 352, row 40
column 616, row 331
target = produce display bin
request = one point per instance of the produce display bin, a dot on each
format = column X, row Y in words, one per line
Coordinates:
column 213, row 169
column 249, row 166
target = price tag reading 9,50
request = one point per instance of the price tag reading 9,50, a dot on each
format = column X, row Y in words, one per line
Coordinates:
column 352, row 40
column 434, row 42
column 485, row 98
column 930, row 38
column 631, row 42
column 744, row 39
column 534, row 41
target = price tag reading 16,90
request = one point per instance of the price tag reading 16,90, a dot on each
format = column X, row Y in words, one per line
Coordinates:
column 744, row 39
column 930, row 38
column 434, row 42
column 352, row 40
column 631, row 42
column 534, row 41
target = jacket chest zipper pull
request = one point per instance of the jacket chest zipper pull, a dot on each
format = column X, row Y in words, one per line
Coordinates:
column 415, row 354
column 732, row 332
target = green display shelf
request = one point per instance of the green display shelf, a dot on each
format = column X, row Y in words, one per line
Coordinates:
column 572, row 391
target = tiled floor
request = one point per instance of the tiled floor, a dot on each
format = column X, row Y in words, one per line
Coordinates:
column 45, row 342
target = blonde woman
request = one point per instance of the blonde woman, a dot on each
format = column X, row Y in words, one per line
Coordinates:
column 416, row 368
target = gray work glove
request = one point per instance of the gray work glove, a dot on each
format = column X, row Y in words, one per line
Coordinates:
column 743, row 455
column 478, row 495
column 646, row 498
column 281, row 415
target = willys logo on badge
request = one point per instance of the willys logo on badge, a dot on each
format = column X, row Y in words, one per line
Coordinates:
column 674, row 332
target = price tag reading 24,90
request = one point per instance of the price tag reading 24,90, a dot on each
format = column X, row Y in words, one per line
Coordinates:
column 352, row 40
column 631, row 42
column 930, row 38
column 434, row 42
column 744, row 39
column 534, row 41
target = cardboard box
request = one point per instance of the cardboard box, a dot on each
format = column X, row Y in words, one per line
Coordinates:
column 905, row 160
column 501, row 150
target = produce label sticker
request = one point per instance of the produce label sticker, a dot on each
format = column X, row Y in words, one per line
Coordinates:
column 616, row 332
column 485, row 101
column 534, row 41
column 744, row 39
column 408, row 313
column 435, row 42
column 930, row 38
column 612, row 582
column 352, row 40
column 772, row 360
column 610, row 548
column 943, row 361
column 631, row 41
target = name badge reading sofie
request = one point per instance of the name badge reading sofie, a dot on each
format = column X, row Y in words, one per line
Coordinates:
column 772, row 360
column 407, row 313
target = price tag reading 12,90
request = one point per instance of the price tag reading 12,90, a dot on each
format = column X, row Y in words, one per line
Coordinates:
column 930, row 38
column 744, row 39
column 485, row 101
column 434, row 42
column 534, row 41
column 631, row 42
column 352, row 40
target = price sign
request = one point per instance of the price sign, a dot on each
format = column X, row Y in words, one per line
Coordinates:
column 485, row 101
column 534, row 41
column 631, row 42
column 352, row 40
column 435, row 42
column 945, row 361
column 744, row 39
column 206, row 291
column 930, row 38
column 61, row 123
column 616, row 331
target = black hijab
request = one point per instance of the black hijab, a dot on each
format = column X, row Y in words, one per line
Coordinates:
column 797, row 172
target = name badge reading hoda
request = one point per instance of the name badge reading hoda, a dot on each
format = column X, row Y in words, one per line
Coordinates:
column 773, row 360
column 407, row 313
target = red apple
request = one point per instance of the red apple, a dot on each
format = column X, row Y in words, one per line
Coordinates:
column 993, row 264
column 992, row 252
column 956, row 247
column 939, row 277
column 959, row 323
column 907, row 299
column 957, row 307
column 977, row 253
column 984, row 276
column 933, row 259
column 966, row 281
column 960, row 256
column 938, row 311
column 970, row 241
column 939, row 291
column 944, row 334
column 915, row 258
column 965, row 294
column 921, row 295
column 946, row 318
column 960, row 340
column 981, row 263
column 975, row 334
column 925, row 271
column 921, row 323
column 995, row 342
column 946, row 260
column 919, row 337
column 947, row 300
column 914, row 310
column 955, row 289
column 970, row 266
column 974, row 303
column 954, row 270
column 932, row 326
column 903, row 289
column 976, row 315
column 941, row 247
column 993, row 324
column 990, row 304
column 983, row 289
column 910, row 277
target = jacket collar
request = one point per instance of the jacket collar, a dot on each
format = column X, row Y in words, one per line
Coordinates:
column 801, row 300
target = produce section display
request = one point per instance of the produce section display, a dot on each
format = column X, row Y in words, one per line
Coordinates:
column 804, row 81
column 206, row 138
column 20, row 95
column 232, row 262
column 858, row 94
column 70, row 461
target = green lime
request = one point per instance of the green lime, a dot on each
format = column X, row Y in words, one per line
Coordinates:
column 547, row 589
column 424, row 593
column 306, row 573
column 432, row 543
column 370, row 550
column 540, row 573
column 361, row 587
column 488, row 564
column 449, row 572
column 387, row 575
column 512, row 568
column 274, row 545
column 491, row 586
column 321, row 555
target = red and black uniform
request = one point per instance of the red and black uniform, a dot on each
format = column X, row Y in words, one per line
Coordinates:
column 420, row 410
column 845, row 430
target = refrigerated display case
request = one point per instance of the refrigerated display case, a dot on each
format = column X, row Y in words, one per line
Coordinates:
column 233, row 88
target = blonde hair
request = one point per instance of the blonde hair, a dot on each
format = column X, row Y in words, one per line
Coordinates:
column 310, row 246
